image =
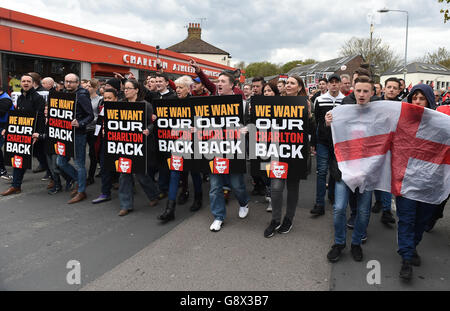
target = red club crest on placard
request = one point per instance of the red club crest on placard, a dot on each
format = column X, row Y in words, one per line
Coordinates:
column 176, row 163
column 124, row 165
column 278, row 170
column 17, row 161
column 60, row 149
column 221, row 166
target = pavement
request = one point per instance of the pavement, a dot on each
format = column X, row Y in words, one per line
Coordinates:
column 40, row 234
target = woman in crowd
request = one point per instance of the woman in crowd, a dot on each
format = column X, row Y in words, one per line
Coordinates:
column 183, row 89
column 133, row 93
column 294, row 87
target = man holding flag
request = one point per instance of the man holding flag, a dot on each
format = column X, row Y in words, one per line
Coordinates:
column 404, row 149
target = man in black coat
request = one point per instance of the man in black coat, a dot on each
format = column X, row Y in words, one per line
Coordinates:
column 28, row 101
column 84, row 115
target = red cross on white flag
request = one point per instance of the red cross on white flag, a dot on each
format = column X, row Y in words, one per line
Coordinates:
column 395, row 147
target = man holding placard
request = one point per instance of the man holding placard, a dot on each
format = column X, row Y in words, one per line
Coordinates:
column 83, row 116
column 29, row 102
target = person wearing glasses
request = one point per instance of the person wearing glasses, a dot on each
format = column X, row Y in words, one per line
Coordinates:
column 134, row 93
column 84, row 115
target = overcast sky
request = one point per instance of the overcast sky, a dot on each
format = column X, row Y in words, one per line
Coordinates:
column 267, row 30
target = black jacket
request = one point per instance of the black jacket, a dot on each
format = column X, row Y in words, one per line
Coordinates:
column 322, row 105
column 84, row 113
column 31, row 101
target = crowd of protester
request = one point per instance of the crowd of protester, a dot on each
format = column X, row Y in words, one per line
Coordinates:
column 159, row 183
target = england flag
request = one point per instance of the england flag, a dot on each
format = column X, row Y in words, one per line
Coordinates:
column 395, row 147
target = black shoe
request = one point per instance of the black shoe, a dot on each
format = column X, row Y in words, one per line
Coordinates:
column 387, row 218
column 286, row 226
column 376, row 208
column 406, row 271
column 318, row 210
column 357, row 252
column 169, row 212
column 270, row 230
column 331, row 200
column 46, row 177
column 197, row 204
column 416, row 260
column 90, row 181
column 183, row 197
column 55, row 190
column 335, row 253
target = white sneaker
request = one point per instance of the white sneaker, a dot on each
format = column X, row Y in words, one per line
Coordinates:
column 243, row 211
column 269, row 208
column 216, row 225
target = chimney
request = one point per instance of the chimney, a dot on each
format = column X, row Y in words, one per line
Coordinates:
column 194, row 31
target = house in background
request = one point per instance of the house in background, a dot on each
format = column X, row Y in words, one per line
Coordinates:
column 437, row 76
column 194, row 46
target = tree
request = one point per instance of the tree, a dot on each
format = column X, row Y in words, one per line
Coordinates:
column 441, row 56
column 446, row 14
column 240, row 65
column 261, row 69
column 381, row 58
column 294, row 63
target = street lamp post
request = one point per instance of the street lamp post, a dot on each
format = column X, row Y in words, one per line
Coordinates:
column 406, row 41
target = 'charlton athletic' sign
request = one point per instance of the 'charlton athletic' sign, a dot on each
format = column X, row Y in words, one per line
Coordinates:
column 202, row 133
column 279, row 142
column 19, row 142
column 61, row 113
column 126, row 144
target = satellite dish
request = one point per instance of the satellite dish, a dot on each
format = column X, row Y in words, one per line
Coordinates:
column 343, row 67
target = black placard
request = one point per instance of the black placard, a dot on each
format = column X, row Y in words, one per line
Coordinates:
column 279, row 141
column 216, row 144
column 126, row 144
column 18, row 139
column 60, row 133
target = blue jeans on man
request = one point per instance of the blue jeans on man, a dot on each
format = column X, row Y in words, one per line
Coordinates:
column 217, row 201
column 126, row 189
column 323, row 159
column 364, row 200
column 385, row 198
column 18, row 174
column 412, row 218
column 175, row 181
column 78, row 172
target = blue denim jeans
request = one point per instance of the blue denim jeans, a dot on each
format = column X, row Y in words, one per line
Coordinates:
column 163, row 176
column 364, row 201
column 323, row 160
column 217, row 201
column 126, row 189
column 412, row 218
column 18, row 174
column 175, row 182
column 385, row 198
column 78, row 172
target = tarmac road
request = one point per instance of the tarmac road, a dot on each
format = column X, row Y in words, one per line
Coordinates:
column 40, row 234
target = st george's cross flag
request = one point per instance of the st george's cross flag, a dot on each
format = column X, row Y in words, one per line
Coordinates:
column 395, row 147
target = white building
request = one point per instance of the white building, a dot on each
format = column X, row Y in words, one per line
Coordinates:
column 436, row 75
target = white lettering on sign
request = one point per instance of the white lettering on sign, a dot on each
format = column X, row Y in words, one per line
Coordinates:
column 151, row 62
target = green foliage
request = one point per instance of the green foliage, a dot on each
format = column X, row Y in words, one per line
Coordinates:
column 269, row 69
column 445, row 12
column 381, row 57
column 441, row 56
